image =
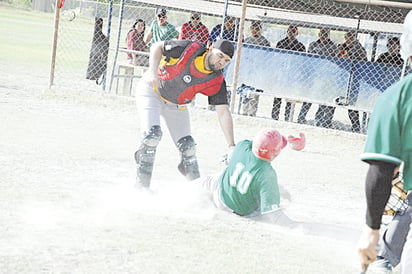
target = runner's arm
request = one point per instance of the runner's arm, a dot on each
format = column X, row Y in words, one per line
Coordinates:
column 226, row 123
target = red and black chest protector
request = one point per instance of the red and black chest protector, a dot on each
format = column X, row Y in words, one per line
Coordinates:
column 180, row 82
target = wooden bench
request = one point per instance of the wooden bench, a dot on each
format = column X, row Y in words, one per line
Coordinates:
column 128, row 72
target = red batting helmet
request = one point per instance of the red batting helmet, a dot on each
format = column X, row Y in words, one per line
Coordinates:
column 268, row 143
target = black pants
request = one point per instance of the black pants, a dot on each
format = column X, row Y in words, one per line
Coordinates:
column 276, row 109
column 303, row 112
column 354, row 119
column 324, row 116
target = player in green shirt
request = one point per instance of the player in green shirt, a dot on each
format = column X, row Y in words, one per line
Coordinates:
column 388, row 144
column 249, row 185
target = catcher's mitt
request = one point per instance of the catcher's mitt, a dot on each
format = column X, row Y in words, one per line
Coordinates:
column 397, row 202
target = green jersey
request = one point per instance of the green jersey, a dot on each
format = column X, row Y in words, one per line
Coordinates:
column 249, row 183
column 389, row 136
column 162, row 33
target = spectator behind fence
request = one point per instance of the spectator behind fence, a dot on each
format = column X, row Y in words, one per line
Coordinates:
column 290, row 43
column 135, row 41
column 250, row 105
column 98, row 53
column 353, row 49
column 230, row 31
column 256, row 37
column 194, row 30
column 326, row 47
column 392, row 56
column 161, row 30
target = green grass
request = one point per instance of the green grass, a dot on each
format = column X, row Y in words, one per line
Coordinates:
column 27, row 35
column 29, row 40
column 30, row 34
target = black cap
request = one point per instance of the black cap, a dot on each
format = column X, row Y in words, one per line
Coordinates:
column 160, row 11
column 225, row 46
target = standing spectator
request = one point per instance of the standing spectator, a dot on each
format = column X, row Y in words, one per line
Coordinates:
column 98, row 53
column 251, row 105
column 161, row 30
column 194, row 30
column 326, row 47
column 178, row 70
column 290, row 43
column 230, row 31
column 353, row 49
column 388, row 144
column 392, row 56
column 256, row 37
column 135, row 41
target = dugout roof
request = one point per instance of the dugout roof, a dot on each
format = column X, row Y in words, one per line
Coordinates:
column 334, row 14
column 379, row 11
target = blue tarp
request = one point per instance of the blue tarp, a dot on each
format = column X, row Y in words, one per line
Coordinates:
column 312, row 77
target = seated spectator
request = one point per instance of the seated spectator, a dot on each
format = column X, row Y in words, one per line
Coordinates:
column 230, row 31
column 161, row 30
column 194, row 30
column 392, row 56
column 326, row 47
column 135, row 41
column 250, row 105
column 290, row 43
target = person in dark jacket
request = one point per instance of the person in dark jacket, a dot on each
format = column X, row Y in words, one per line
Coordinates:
column 98, row 53
column 392, row 56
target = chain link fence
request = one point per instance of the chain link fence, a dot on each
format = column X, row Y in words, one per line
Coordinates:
column 322, row 63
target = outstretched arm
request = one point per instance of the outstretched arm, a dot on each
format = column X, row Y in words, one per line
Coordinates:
column 378, row 189
column 277, row 217
column 226, row 123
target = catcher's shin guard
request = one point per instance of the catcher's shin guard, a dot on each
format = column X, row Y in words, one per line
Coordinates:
column 188, row 165
column 145, row 156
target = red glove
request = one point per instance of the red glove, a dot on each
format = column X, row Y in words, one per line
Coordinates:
column 297, row 143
